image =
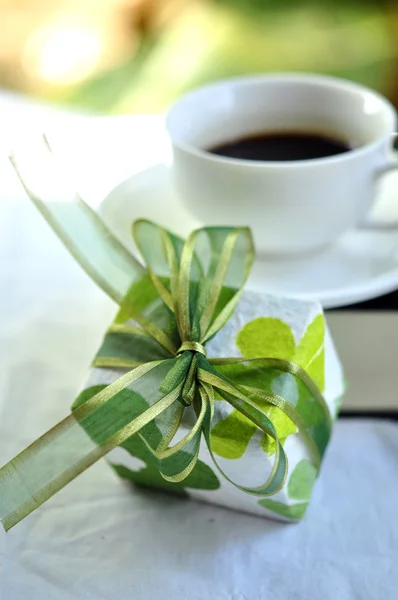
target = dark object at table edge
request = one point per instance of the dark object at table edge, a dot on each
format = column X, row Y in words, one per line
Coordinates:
column 391, row 415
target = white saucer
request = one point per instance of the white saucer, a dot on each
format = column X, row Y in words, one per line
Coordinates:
column 362, row 265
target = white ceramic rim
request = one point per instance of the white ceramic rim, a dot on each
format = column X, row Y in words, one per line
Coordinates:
column 322, row 80
column 329, row 298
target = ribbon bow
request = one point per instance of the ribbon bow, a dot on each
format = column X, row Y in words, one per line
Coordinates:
column 169, row 310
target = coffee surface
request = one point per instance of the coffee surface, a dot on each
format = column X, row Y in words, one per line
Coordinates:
column 281, row 146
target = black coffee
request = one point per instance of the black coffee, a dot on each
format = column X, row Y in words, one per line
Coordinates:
column 286, row 145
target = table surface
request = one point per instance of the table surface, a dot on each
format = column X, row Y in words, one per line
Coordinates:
column 99, row 538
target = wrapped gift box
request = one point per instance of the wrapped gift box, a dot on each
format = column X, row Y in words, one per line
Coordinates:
column 261, row 325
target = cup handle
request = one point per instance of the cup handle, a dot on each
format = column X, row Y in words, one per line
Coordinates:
column 391, row 165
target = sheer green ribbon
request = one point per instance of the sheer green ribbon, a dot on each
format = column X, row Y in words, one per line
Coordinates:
column 169, row 310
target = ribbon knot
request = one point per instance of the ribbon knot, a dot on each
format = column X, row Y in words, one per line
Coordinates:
column 187, row 290
column 192, row 346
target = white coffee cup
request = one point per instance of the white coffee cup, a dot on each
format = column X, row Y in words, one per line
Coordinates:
column 291, row 206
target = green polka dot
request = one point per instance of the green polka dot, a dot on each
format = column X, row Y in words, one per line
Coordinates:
column 231, row 436
column 294, row 511
column 202, row 477
column 266, row 336
column 310, row 354
column 284, row 427
column 270, row 337
column 302, row 480
column 311, row 341
column 316, row 370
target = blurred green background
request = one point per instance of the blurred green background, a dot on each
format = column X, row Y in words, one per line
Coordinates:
column 122, row 56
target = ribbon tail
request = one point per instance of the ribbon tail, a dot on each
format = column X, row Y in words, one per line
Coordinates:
column 82, row 231
column 105, row 421
column 109, row 264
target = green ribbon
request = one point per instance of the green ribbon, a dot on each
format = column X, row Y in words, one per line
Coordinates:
column 171, row 308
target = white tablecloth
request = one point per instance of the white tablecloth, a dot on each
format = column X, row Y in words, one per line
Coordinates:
column 98, row 539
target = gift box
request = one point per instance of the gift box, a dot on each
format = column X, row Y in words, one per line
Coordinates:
column 201, row 387
column 261, row 325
